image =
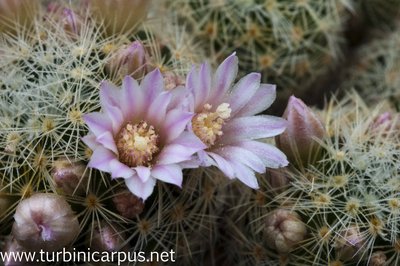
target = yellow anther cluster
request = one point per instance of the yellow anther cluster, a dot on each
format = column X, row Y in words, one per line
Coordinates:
column 207, row 125
column 137, row 144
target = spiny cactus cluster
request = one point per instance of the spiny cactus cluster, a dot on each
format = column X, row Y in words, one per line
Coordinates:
column 376, row 71
column 292, row 43
column 342, row 209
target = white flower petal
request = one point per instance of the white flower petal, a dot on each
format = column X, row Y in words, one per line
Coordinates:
column 140, row 189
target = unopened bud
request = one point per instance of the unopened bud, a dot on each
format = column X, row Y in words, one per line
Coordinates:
column 119, row 16
column 128, row 60
column 70, row 21
column 378, row 258
column 349, row 244
column 127, row 204
column 303, row 127
column 16, row 13
column 70, row 176
column 106, row 237
column 386, row 124
column 278, row 179
column 44, row 221
column 284, row 230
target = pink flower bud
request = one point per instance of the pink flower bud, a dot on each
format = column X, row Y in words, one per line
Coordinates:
column 119, row 16
column 127, row 204
column 44, row 221
column 349, row 243
column 378, row 258
column 386, row 123
column 106, row 237
column 284, row 230
column 71, row 22
column 129, row 60
column 298, row 140
column 16, row 13
column 70, row 176
column 278, row 179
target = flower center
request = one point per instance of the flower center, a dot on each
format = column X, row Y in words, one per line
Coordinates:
column 137, row 144
column 207, row 125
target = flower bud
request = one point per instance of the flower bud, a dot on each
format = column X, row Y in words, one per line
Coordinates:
column 70, row 21
column 298, row 140
column 349, row 243
column 106, row 237
column 70, row 176
column 386, row 123
column 127, row 204
column 378, row 258
column 129, row 60
column 278, row 179
column 119, row 16
column 284, row 230
column 44, row 221
column 16, row 13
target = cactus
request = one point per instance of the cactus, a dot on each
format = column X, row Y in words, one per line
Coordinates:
column 292, row 43
column 375, row 74
column 349, row 198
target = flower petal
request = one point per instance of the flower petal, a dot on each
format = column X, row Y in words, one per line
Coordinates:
column 174, row 153
column 168, row 173
column 190, row 141
column 90, row 141
column 223, row 165
column 246, row 175
column 260, row 101
column 244, row 156
column 101, row 159
column 175, row 122
column 132, row 98
column 224, row 77
column 143, row 173
column 199, row 83
column 252, row 127
column 109, row 94
column 107, row 140
column 244, row 91
column 119, row 169
column 158, row 108
column 152, row 85
column 271, row 156
column 181, row 99
column 140, row 189
column 98, row 123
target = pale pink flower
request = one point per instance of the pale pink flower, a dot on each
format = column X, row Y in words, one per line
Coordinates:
column 139, row 135
column 225, row 121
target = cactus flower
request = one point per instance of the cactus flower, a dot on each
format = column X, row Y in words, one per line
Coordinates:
column 127, row 205
column 225, row 121
column 70, row 176
column 284, row 230
column 138, row 136
column 44, row 221
column 298, row 141
column 128, row 60
column 106, row 237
